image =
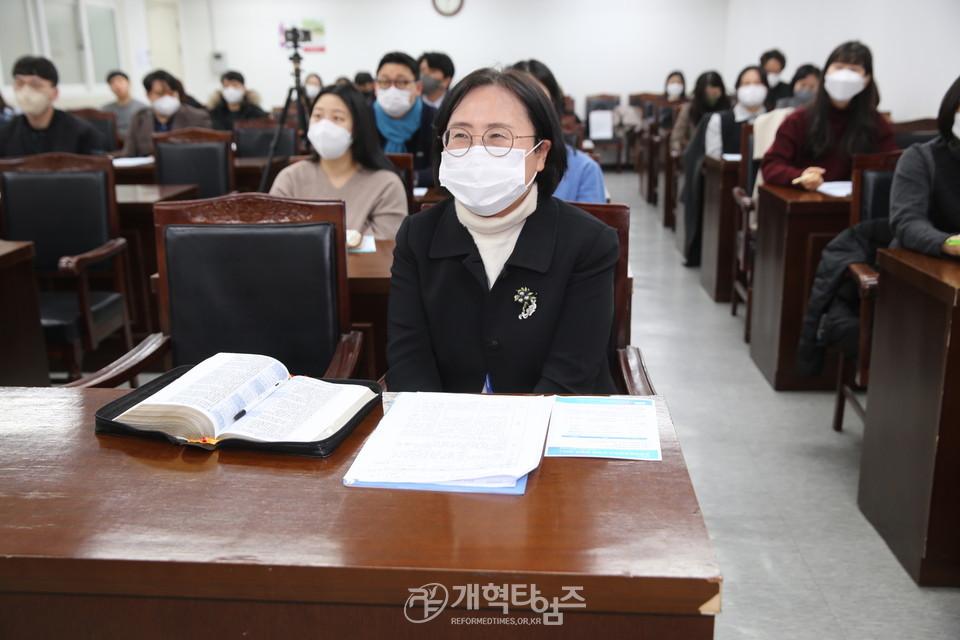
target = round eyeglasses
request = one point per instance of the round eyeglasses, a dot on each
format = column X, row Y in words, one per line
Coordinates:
column 498, row 141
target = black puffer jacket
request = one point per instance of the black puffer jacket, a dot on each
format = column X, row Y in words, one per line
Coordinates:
column 833, row 311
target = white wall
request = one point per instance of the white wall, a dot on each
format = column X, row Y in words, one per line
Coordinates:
column 915, row 43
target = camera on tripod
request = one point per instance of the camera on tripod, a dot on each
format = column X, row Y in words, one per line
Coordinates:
column 295, row 35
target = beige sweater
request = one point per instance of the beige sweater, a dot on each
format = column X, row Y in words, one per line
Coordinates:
column 376, row 202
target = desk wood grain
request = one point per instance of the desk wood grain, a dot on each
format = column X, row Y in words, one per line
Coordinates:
column 90, row 520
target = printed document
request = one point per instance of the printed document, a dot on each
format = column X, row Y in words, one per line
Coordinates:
column 622, row 427
column 449, row 440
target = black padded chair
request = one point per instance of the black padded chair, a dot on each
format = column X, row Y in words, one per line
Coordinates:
column 605, row 102
column 250, row 273
column 203, row 157
column 66, row 204
column 254, row 136
column 105, row 122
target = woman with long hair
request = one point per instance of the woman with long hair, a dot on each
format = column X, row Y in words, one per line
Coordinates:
column 817, row 143
column 709, row 95
column 347, row 164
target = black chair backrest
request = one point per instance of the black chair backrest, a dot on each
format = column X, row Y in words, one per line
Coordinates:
column 254, row 288
column 906, row 138
column 875, row 194
column 205, row 164
column 600, row 103
column 255, row 143
column 63, row 213
column 107, row 129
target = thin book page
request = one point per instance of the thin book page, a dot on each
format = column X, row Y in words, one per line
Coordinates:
column 219, row 388
column 301, row 410
column 449, row 438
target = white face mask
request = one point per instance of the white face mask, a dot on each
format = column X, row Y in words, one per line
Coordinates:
column 751, row 95
column 956, row 125
column 395, row 102
column 329, row 139
column 844, row 84
column 232, row 95
column 166, row 106
column 484, row 184
column 31, row 101
column 675, row 89
column 312, row 90
column 773, row 79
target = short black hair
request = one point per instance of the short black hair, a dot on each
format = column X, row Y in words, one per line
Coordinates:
column 803, row 71
column 437, row 60
column 36, row 66
column 948, row 110
column 363, row 77
column 398, row 57
column 542, row 114
column 366, row 140
column 753, row 67
column 165, row 77
column 543, row 74
column 233, row 76
column 773, row 54
column 115, row 73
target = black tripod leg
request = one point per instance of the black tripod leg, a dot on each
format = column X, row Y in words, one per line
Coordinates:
column 276, row 140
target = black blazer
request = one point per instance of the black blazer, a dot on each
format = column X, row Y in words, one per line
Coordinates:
column 447, row 330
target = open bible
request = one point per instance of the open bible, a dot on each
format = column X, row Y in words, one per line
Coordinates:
column 242, row 401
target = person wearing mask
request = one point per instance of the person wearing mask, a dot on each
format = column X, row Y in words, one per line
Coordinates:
column 436, row 75
column 167, row 112
column 312, row 86
column 363, row 81
column 502, row 287
column 405, row 123
column 233, row 102
column 817, row 143
column 347, row 164
column 925, row 196
column 773, row 63
column 583, row 179
column 40, row 128
column 709, row 96
column 723, row 128
column 124, row 106
column 806, row 83
column 674, row 90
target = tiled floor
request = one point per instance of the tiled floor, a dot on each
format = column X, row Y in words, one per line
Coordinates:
column 776, row 484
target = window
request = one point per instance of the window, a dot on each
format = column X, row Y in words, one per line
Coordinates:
column 79, row 36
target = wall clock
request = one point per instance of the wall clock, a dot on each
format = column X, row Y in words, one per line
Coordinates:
column 448, row 7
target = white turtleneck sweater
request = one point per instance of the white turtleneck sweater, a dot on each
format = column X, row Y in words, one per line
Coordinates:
column 496, row 237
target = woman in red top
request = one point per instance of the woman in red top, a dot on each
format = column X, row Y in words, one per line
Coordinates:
column 818, row 142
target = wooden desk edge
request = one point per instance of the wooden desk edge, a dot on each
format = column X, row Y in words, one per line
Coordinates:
column 938, row 277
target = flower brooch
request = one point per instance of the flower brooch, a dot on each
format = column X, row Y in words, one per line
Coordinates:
column 528, row 301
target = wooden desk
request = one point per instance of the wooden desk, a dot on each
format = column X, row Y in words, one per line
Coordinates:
column 718, row 240
column 793, row 227
column 107, row 534
column 246, row 171
column 23, row 352
column 135, row 204
column 910, row 467
column 369, row 281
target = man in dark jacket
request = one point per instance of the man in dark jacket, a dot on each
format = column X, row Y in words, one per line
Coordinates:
column 41, row 128
column 233, row 102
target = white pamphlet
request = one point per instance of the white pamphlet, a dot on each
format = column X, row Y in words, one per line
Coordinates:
column 622, row 427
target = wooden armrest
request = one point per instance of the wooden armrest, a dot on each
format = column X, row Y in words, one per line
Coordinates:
column 124, row 368
column 345, row 358
column 73, row 265
column 636, row 379
column 865, row 277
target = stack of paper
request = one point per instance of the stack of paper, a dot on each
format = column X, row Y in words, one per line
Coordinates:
column 454, row 442
column 837, row 189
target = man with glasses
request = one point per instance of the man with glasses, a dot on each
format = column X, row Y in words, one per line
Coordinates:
column 404, row 122
column 41, row 128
